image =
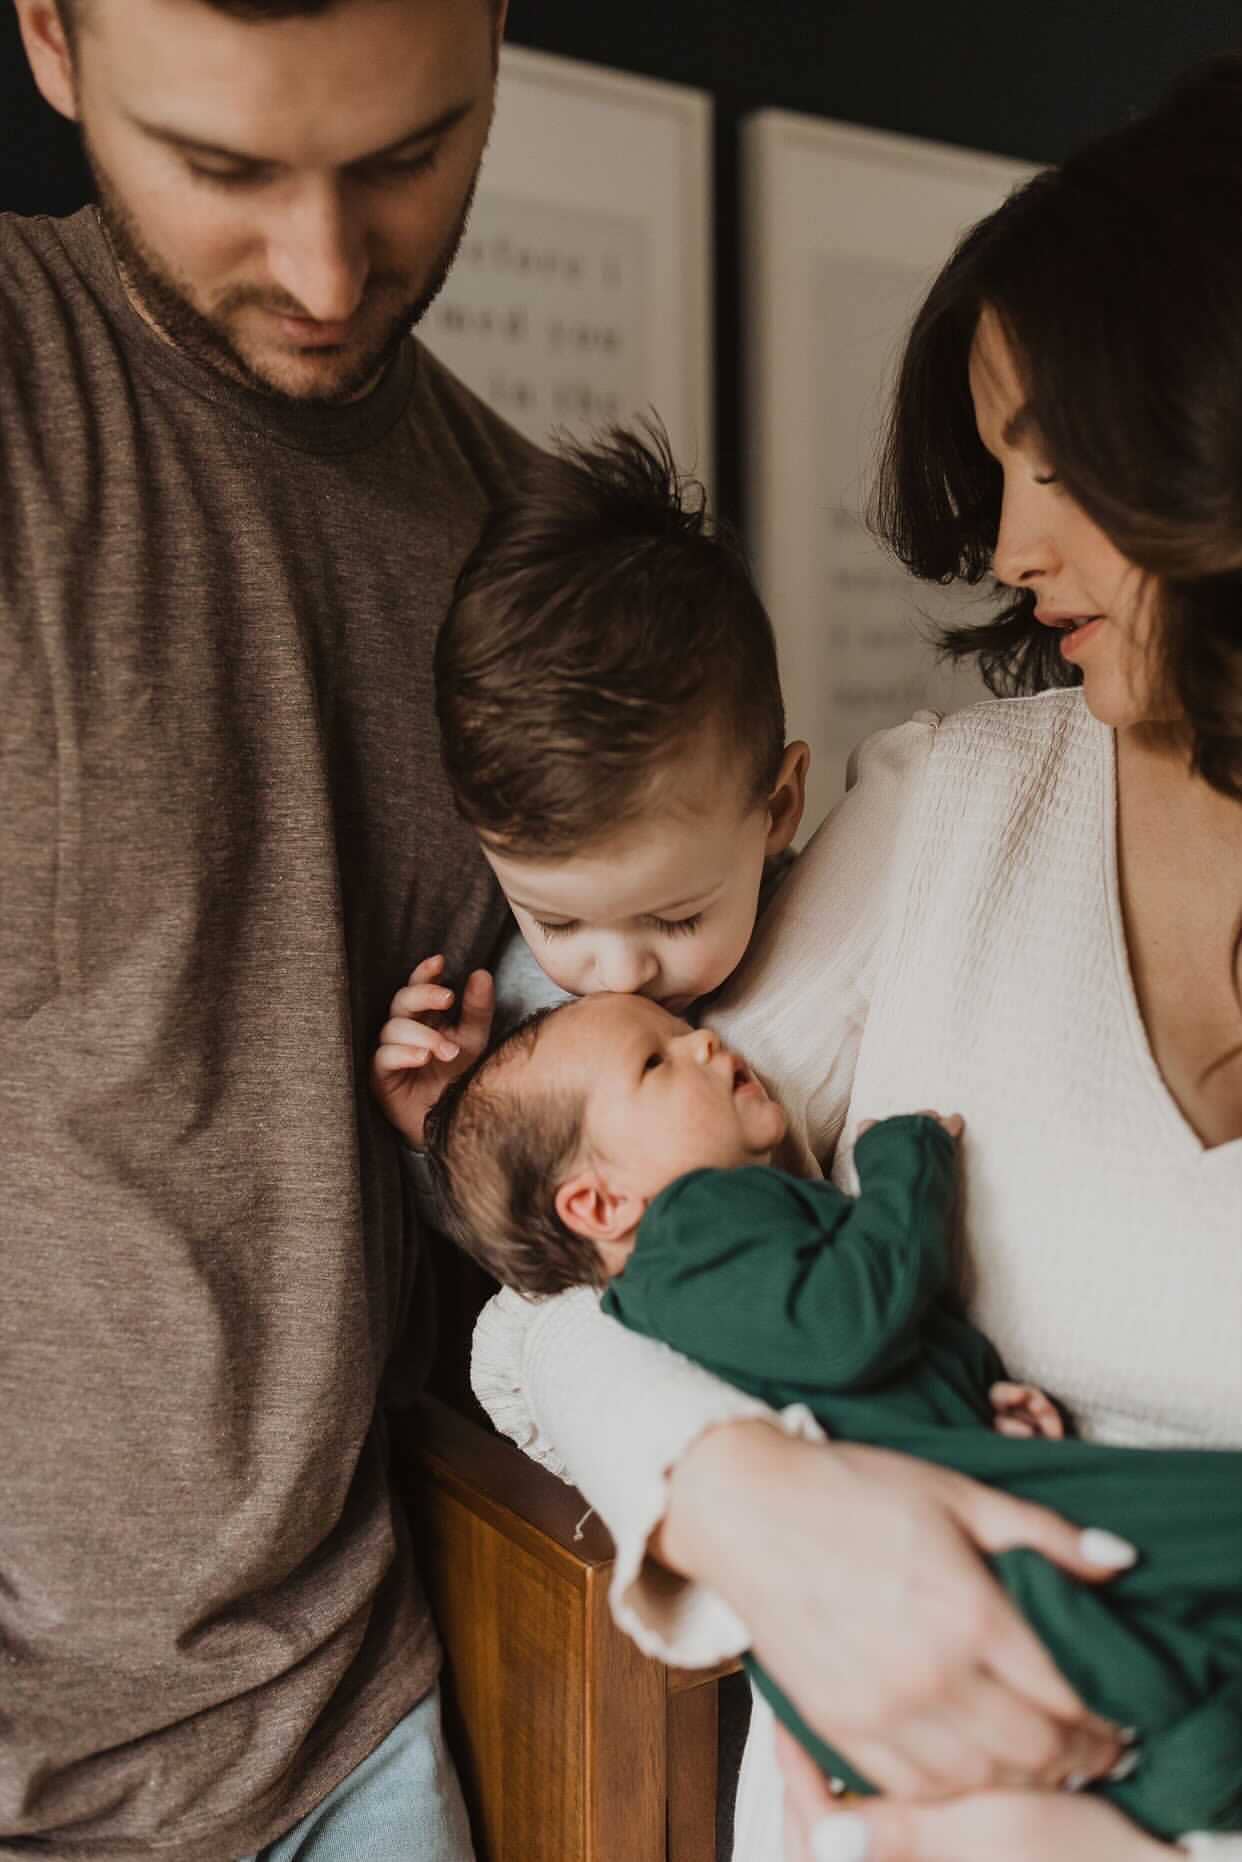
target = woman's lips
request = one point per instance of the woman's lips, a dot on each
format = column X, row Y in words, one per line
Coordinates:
column 1075, row 638
column 1075, row 630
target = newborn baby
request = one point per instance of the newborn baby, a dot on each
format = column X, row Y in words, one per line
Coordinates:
column 608, row 1143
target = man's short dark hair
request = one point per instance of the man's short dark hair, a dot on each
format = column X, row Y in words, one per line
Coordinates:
column 601, row 625
column 72, row 11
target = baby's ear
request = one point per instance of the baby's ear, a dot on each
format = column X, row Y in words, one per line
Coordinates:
column 590, row 1208
column 788, row 798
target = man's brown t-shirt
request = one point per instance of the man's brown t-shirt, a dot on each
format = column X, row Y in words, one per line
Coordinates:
column 224, row 840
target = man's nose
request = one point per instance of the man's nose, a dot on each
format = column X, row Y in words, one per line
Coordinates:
column 318, row 255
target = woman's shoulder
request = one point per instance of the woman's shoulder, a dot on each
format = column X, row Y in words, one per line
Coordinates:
column 1017, row 731
column 918, row 781
column 985, row 756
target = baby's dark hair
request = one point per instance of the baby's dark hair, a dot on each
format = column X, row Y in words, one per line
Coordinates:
column 495, row 1162
column 602, row 622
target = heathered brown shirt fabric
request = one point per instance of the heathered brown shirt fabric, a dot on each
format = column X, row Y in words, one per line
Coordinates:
column 224, row 840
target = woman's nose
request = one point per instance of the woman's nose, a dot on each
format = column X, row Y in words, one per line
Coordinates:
column 1025, row 547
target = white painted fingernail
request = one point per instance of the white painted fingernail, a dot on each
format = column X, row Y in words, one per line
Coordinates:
column 1097, row 1547
column 1126, row 1764
column 1128, row 1735
column 843, row 1838
column 1076, row 1781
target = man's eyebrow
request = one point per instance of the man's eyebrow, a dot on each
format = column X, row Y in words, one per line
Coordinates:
column 193, row 145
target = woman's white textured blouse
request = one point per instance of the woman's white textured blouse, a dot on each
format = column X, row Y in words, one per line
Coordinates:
column 952, row 937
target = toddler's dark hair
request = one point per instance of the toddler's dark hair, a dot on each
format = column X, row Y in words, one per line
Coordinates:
column 601, row 623
column 495, row 1162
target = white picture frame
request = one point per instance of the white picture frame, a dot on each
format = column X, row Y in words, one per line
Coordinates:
column 843, row 230
column 583, row 288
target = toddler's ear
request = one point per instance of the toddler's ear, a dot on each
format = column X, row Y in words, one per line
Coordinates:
column 788, row 797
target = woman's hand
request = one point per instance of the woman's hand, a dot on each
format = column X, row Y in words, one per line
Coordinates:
column 858, row 1574
column 991, row 1826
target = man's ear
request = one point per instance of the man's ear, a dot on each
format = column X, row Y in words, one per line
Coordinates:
column 602, row 1214
column 50, row 55
column 788, row 797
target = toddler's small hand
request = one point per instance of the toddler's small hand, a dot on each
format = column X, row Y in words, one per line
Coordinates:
column 1023, row 1410
column 414, row 1061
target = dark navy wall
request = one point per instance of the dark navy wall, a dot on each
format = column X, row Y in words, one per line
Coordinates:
column 1019, row 77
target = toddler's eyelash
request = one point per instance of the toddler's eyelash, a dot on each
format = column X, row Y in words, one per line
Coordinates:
column 675, row 927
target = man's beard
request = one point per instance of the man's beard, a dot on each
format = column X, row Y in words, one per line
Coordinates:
column 207, row 339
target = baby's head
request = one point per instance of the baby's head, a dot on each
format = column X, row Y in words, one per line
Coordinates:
column 612, row 723
column 548, row 1153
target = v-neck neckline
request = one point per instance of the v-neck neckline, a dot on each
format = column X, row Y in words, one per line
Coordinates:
column 1181, row 1132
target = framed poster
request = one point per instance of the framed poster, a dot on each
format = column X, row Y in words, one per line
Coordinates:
column 844, row 229
column 582, row 292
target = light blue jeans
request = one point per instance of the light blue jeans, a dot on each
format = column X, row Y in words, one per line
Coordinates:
column 403, row 1804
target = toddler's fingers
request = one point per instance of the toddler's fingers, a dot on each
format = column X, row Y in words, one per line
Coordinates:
column 478, row 1005
column 1013, row 1425
column 427, row 970
column 392, row 1062
column 421, row 999
column 413, row 1036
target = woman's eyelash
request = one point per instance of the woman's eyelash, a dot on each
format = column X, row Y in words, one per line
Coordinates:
column 1046, row 478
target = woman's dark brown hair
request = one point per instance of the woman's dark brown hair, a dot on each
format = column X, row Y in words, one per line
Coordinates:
column 1117, row 279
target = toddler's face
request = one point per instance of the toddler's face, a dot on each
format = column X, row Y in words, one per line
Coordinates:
column 665, row 907
column 660, row 1097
